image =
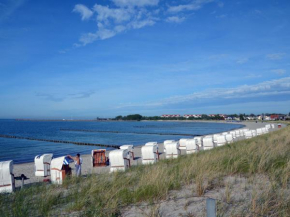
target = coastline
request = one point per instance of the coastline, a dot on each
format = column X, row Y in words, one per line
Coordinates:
column 28, row 168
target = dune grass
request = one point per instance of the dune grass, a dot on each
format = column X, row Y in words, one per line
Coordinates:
column 106, row 194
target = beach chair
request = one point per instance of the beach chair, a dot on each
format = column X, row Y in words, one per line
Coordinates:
column 259, row 131
column 149, row 154
column 237, row 133
column 208, row 143
column 99, row 158
column 182, row 144
column 263, row 130
column 233, row 133
column 273, row 126
column 225, row 133
column 229, row 138
column 172, row 149
column 191, row 146
column 242, row 133
column 254, row 133
column 268, row 126
column 221, row 140
column 7, row 181
column 42, row 165
column 119, row 160
column 248, row 134
column 60, row 169
column 215, row 136
column 156, row 144
column 198, row 140
column 130, row 148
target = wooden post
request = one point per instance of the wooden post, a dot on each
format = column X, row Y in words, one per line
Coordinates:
column 210, row 207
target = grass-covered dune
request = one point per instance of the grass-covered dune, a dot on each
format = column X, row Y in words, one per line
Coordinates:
column 264, row 159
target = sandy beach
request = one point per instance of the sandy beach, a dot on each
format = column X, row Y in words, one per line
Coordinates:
column 28, row 168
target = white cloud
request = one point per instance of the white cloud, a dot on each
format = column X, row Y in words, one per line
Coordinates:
column 195, row 5
column 242, row 60
column 175, row 19
column 279, row 71
column 117, row 14
column 85, row 12
column 138, row 3
column 276, row 56
column 245, row 92
column 141, row 23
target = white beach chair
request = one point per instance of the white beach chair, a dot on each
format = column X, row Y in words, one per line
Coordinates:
column 191, row 146
column 198, row 140
column 229, row 138
column 221, row 140
column 259, row 131
column 263, row 130
column 7, row 182
column 215, row 136
column 268, row 126
column 59, row 169
column 242, row 133
column 119, row 160
column 248, row 134
column 172, row 149
column 233, row 133
column 42, row 165
column 182, row 144
column 130, row 149
column 273, row 126
column 254, row 133
column 225, row 133
column 237, row 133
column 208, row 143
column 149, row 154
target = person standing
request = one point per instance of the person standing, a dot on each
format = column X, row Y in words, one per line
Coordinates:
column 78, row 164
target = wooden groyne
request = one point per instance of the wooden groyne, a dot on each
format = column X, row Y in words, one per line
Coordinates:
column 102, row 131
column 58, row 141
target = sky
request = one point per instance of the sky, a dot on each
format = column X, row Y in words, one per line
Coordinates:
column 103, row 58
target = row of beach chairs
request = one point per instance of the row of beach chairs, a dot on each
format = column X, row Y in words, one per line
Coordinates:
column 122, row 159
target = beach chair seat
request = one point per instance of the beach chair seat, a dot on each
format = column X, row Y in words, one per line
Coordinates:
column 221, row 140
column 248, row 134
column 182, row 144
column 119, row 160
column 172, row 149
column 149, row 154
column 229, row 138
column 60, row 169
column 130, row 149
column 42, row 164
column 99, row 158
column 191, row 146
column 7, row 181
column 208, row 143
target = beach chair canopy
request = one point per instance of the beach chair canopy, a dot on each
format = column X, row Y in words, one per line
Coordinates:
column 182, row 143
column 207, row 143
column 57, row 163
column 237, row 133
column 168, row 141
column 118, row 158
column 172, row 149
column 151, row 143
column 215, row 136
column 273, row 126
column 248, row 134
column 229, row 138
column 42, row 164
column 149, row 154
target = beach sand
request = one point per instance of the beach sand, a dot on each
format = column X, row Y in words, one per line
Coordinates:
column 28, row 168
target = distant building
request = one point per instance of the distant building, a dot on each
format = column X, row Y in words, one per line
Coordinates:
column 170, row 116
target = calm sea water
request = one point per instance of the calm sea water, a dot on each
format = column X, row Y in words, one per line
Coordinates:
column 22, row 151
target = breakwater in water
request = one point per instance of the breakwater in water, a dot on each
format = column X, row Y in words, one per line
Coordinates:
column 58, row 141
column 145, row 133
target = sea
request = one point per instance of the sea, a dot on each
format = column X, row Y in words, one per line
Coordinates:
column 96, row 132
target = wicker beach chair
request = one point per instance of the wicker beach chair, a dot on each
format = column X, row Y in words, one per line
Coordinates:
column 7, row 181
column 42, row 164
column 119, row 160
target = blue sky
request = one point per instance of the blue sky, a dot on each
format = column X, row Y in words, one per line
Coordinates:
column 87, row 59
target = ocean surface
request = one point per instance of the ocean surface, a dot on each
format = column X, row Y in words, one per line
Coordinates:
column 112, row 133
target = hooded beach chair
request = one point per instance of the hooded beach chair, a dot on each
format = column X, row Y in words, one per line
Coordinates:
column 233, row 133
column 130, row 149
column 229, row 138
column 119, row 160
column 242, row 132
column 182, row 144
column 198, row 140
column 149, row 153
column 248, row 134
column 259, row 131
column 208, row 143
column 273, row 126
column 191, row 146
column 42, row 165
column 172, row 149
column 7, row 181
column 60, row 169
column 99, row 158
column 254, row 133
column 237, row 133
column 215, row 136
column 221, row 140
column 156, row 144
